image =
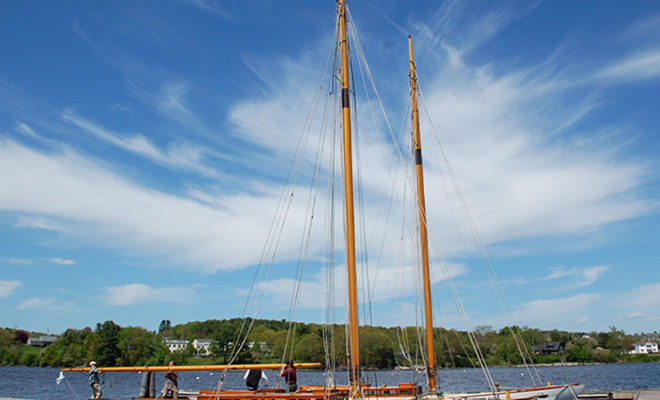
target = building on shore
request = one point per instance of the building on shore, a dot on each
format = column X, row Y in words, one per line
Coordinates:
column 644, row 347
column 42, row 341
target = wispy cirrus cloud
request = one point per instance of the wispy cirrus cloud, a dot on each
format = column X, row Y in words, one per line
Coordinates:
column 8, row 287
column 548, row 312
column 576, row 277
column 387, row 283
column 27, row 130
column 138, row 293
column 636, row 67
column 592, row 274
column 636, row 315
column 212, row 7
column 61, row 261
column 199, row 235
column 17, row 261
column 645, row 296
column 171, row 101
column 48, row 224
column 182, row 155
column 47, row 304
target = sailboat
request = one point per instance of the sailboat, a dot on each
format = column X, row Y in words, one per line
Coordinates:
column 356, row 388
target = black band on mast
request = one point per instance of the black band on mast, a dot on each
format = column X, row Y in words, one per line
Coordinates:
column 418, row 156
column 345, row 97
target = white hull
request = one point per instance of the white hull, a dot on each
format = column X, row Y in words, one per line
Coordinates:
column 558, row 392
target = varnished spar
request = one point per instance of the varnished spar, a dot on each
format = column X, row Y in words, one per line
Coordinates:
column 354, row 356
column 231, row 367
column 423, row 235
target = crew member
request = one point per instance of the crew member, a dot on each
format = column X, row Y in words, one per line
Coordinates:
column 289, row 373
column 252, row 378
column 94, row 381
column 171, row 387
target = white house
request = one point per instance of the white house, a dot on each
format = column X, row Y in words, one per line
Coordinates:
column 42, row 341
column 176, row 345
column 202, row 346
column 645, row 347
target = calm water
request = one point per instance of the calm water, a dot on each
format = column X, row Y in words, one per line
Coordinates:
column 39, row 383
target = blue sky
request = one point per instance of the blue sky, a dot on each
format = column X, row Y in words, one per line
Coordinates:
column 143, row 147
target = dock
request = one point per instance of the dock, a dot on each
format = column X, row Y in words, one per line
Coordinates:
column 644, row 394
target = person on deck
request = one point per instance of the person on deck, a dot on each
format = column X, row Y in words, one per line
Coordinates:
column 289, row 374
column 94, row 381
column 171, row 387
column 252, row 378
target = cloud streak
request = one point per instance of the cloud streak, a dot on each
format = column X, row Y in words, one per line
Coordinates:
column 184, row 155
column 637, row 67
column 44, row 304
column 103, row 206
column 139, row 293
column 61, row 261
column 8, row 287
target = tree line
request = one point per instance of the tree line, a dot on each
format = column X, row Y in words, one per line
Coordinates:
column 274, row 341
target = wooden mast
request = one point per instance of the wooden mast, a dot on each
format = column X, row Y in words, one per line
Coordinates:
column 423, row 236
column 354, row 347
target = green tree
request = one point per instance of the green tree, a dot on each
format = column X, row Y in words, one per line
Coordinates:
column 376, row 348
column 164, row 324
column 137, row 346
column 580, row 350
column 309, row 349
column 223, row 342
column 106, row 350
column 618, row 343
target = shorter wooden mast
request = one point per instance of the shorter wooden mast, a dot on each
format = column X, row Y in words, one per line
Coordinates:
column 423, row 235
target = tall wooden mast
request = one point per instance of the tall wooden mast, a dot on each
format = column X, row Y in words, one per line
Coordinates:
column 354, row 372
column 423, row 236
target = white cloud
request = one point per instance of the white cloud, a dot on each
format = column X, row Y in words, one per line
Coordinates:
column 171, row 102
column 518, row 178
column 592, row 274
column 645, row 296
column 640, row 66
column 556, row 273
column 50, row 304
column 642, row 316
column 18, row 261
column 138, row 293
column 106, row 208
column 7, row 287
column 210, row 6
column 27, row 130
column 569, row 279
column 41, row 223
column 503, row 134
column 386, row 283
column 61, row 261
column 549, row 312
column 181, row 155
column 36, row 302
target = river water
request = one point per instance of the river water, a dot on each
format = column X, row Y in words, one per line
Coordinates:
column 39, row 383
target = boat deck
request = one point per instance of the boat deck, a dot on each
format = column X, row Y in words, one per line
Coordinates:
column 646, row 394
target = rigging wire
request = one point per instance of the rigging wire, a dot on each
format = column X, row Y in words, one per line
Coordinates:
column 488, row 262
column 275, row 233
column 69, row 385
column 445, row 270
